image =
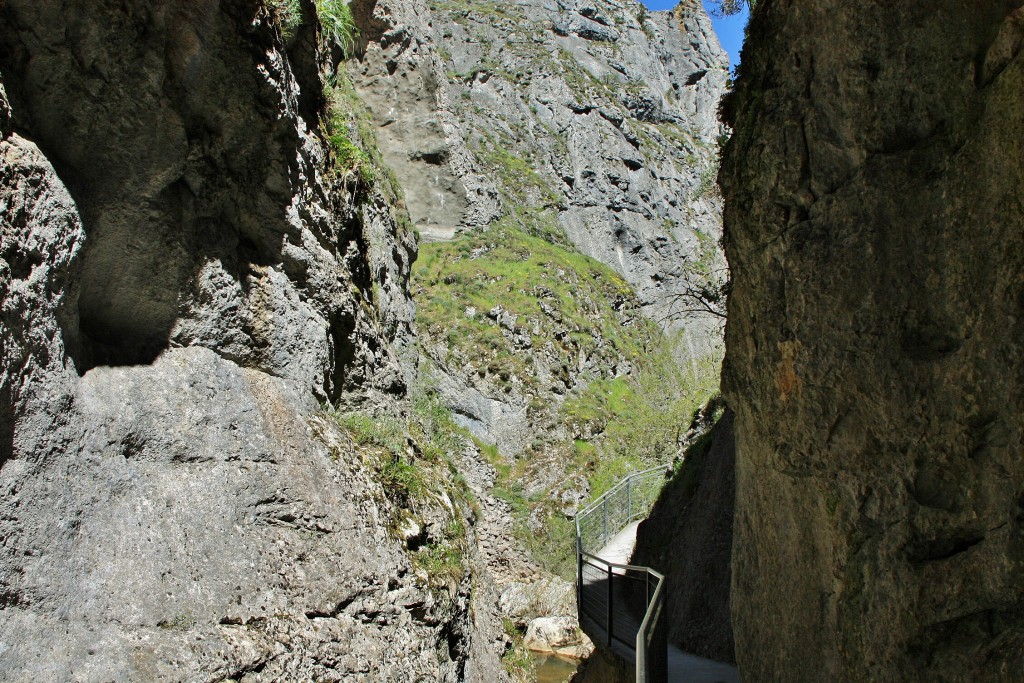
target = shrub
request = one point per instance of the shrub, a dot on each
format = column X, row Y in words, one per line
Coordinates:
column 287, row 14
column 338, row 25
column 349, row 157
column 384, row 431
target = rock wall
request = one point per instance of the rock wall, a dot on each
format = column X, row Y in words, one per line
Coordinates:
column 185, row 277
column 590, row 124
column 601, row 116
column 688, row 538
column 874, row 196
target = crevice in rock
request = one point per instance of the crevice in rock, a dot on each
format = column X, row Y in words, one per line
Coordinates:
column 336, row 610
column 942, row 548
column 344, row 351
column 6, row 424
column 696, row 77
column 244, row 671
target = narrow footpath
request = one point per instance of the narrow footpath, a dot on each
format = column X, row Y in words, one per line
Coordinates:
column 682, row 667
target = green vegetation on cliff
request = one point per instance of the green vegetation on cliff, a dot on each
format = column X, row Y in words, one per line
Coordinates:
column 548, row 327
column 410, row 456
column 522, row 311
column 335, row 18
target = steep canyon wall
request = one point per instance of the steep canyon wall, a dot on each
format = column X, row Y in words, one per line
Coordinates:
column 874, row 202
column 186, row 274
column 588, row 124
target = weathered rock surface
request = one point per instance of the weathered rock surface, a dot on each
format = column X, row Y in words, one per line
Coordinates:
column 172, row 549
column 602, row 114
column 874, row 191
column 688, row 538
column 587, row 123
column 549, row 596
column 183, row 281
column 559, row 636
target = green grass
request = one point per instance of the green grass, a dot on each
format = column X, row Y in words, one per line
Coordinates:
column 636, row 421
column 529, row 201
column 386, row 432
column 640, row 418
column 335, row 18
column 444, row 560
column 352, row 134
column 342, row 127
column 403, row 482
column 339, row 28
column 287, row 14
column 516, row 660
column 567, row 304
column 411, row 456
column 558, row 296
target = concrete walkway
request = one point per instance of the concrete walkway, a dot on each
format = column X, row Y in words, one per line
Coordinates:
column 620, row 546
column 682, row 667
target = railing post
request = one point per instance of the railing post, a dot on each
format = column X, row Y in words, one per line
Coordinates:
column 579, row 573
column 604, row 539
column 609, row 605
column 629, row 499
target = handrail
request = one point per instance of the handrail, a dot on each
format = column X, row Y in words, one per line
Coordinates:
column 629, row 567
column 625, row 481
column 604, row 597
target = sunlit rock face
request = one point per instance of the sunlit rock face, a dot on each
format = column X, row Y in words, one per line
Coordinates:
column 590, row 124
column 184, row 278
column 874, row 200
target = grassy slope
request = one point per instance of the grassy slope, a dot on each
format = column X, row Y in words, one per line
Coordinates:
column 564, row 304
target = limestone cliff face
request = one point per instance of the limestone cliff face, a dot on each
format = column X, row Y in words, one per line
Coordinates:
column 591, row 124
column 874, row 191
column 593, row 119
column 185, row 276
column 201, row 187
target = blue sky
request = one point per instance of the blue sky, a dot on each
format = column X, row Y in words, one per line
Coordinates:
column 729, row 29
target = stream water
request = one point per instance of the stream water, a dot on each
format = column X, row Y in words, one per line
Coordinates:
column 553, row 669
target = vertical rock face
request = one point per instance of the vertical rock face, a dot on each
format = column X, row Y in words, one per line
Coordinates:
column 875, row 195
column 688, row 538
column 179, row 135
column 183, row 278
column 594, row 121
column 591, row 125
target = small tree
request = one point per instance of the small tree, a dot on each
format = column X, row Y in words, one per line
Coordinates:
column 729, row 7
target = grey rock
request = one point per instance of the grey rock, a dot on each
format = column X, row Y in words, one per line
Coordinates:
column 594, row 120
column 873, row 203
column 183, row 282
column 525, row 602
column 220, row 553
column 211, row 221
column 585, row 117
column 688, row 538
column 559, row 636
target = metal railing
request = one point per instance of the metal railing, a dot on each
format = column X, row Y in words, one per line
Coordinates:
column 622, row 605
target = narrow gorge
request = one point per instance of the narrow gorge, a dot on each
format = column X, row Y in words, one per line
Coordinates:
column 294, row 388
column 320, row 321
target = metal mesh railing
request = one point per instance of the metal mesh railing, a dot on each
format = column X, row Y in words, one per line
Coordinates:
column 629, row 500
column 621, row 606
